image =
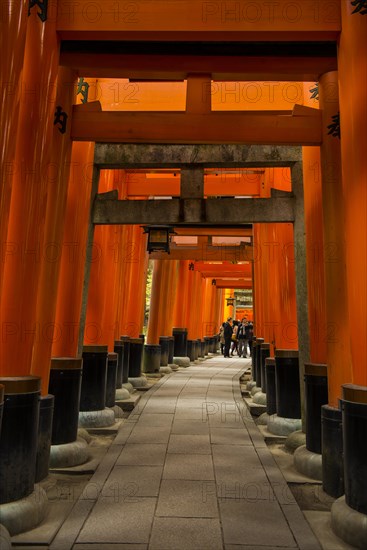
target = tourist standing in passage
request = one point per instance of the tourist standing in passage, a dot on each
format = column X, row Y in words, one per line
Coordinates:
column 228, row 331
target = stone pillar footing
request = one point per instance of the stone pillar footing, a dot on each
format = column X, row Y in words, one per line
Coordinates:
column 308, row 463
column 259, row 398
column 128, row 386
column 348, row 524
column 294, row 440
column 165, row 369
column 263, row 419
column 138, row 381
column 278, row 425
column 5, row 540
column 182, row 361
column 96, row 419
column 255, row 389
column 250, row 385
column 24, row 514
column 121, row 394
column 67, row 455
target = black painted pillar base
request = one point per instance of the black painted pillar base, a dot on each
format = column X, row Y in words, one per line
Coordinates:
column 271, row 407
column 119, row 349
column 93, row 392
column 151, row 358
column 1, row 404
column 354, row 414
column 191, row 350
column 44, row 437
column 316, row 395
column 180, row 339
column 332, row 451
column 259, row 342
column 136, row 357
column 125, row 367
column 287, row 383
column 171, row 347
column 19, row 434
column 164, row 343
column 207, row 344
column 65, row 385
column 113, row 360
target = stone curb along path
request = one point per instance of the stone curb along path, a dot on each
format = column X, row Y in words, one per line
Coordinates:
column 189, row 470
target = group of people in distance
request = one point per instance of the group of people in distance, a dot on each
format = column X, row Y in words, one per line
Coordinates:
column 236, row 336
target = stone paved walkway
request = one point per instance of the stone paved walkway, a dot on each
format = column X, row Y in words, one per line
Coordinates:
column 188, row 470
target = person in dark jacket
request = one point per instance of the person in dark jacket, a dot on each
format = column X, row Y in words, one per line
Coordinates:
column 228, row 331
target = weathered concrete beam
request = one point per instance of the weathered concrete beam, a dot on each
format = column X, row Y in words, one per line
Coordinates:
column 142, row 155
column 194, row 211
column 192, row 182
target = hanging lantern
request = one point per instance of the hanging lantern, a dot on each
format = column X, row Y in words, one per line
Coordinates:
column 158, row 237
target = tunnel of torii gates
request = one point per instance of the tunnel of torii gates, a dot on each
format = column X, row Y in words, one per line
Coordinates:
column 243, row 130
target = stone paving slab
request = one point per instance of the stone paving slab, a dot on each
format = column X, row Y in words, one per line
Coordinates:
column 110, row 547
column 155, row 420
column 129, row 521
column 186, row 534
column 188, row 427
column 184, row 498
column 228, row 436
column 194, row 467
column 135, row 481
column 195, row 444
column 69, row 531
column 144, row 454
column 188, row 470
column 236, row 457
column 145, row 434
column 259, row 522
column 301, row 530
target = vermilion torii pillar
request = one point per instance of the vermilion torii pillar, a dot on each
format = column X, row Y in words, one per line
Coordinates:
column 13, row 30
column 352, row 76
column 60, row 167
column 315, row 242
column 30, row 185
column 70, row 286
column 339, row 358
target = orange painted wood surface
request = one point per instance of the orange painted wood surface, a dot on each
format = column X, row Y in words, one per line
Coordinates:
column 216, row 127
column 70, row 287
column 281, row 20
column 57, row 192
column 352, row 61
column 13, row 38
column 28, row 199
column 339, row 358
column 312, row 185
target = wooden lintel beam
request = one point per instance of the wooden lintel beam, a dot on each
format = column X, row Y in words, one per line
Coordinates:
column 233, row 284
column 226, row 271
column 222, row 68
column 206, row 254
column 213, row 231
column 281, row 20
column 209, row 128
column 220, row 212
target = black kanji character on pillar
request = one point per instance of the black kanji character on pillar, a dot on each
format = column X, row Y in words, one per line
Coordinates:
column 315, row 91
column 43, row 6
column 61, row 118
column 83, row 88
column 360, row 6
column 334, row 127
